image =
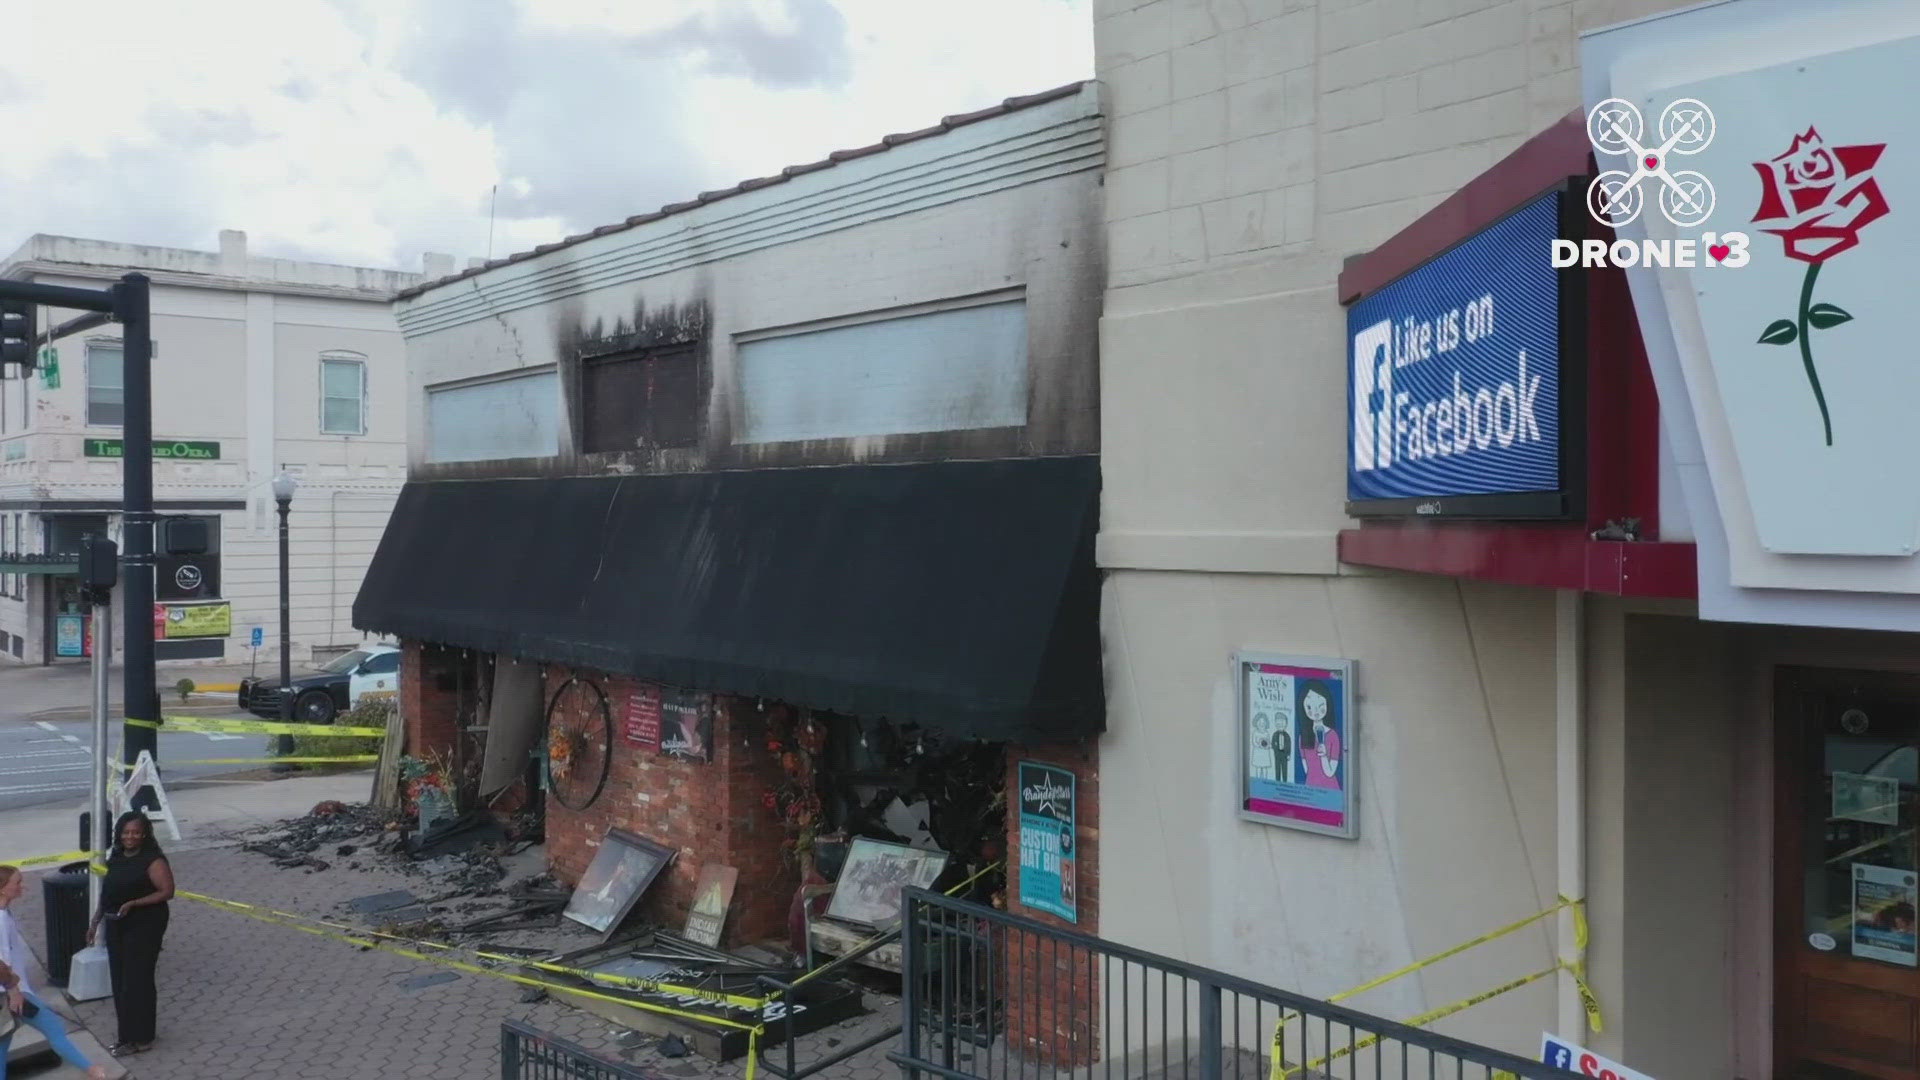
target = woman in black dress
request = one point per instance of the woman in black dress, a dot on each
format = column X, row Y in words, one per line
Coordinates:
column 133, row 904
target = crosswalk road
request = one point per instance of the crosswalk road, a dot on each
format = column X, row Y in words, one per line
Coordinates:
column 45, row 761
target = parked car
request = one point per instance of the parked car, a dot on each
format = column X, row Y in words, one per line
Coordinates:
column 335, row 687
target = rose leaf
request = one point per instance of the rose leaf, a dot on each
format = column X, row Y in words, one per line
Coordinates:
column 1782, row 332
column 1823, row 316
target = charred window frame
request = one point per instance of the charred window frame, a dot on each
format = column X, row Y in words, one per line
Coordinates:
column 642, row 399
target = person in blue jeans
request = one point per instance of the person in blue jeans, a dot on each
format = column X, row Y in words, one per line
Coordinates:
column 15, row 962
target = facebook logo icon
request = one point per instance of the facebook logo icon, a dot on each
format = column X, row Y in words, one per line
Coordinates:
column 1372, row 391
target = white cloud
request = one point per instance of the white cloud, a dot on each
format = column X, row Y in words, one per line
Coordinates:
column 368, row 131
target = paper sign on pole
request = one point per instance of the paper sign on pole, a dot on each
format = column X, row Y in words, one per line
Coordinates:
column 1573, row 1058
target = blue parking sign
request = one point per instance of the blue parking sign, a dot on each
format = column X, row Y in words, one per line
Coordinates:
column 259, row 637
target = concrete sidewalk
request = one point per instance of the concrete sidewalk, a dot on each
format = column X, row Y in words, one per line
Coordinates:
column 28, row 692
column 208, row 815
column 240, row 998
column 208, row 812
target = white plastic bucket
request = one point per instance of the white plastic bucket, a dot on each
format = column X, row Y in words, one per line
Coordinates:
column 90, row 980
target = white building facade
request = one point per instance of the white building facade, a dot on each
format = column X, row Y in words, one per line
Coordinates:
column 1681, row 689
column 259, row 365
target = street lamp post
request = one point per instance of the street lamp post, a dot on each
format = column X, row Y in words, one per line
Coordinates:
column 283, row 487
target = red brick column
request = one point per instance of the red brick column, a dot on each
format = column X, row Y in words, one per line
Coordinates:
column 756, row 839
column 429, row 698
column 1052, row 992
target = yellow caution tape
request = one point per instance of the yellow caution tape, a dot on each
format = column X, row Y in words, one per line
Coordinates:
column 1579, row 923
column 256, row 727
column 1591, row 1004
column 1419, row 1021
column 1588, row 1001
column 714, row 997
column 327, row 928
column 359, row 759
column 45, row 860
column 291, row 922
column 1418, row 965
column 950, row 892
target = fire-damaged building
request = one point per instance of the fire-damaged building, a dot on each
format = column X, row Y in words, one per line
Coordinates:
column 759, row 530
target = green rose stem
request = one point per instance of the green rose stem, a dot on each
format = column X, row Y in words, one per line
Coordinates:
column 1806, row 349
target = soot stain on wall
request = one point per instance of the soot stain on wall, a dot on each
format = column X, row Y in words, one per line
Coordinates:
column 670, row 327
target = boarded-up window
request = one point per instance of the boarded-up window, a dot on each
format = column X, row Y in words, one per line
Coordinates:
column 646, row 400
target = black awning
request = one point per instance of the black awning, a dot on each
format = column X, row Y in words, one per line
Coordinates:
column 958, row 595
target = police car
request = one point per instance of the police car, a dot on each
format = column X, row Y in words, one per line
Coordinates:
column 334, row 688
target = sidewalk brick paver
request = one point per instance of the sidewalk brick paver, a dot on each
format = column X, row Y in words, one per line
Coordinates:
column 241, row 998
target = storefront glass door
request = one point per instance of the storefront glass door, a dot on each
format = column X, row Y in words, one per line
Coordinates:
column 67, row 619
column 1848, row 958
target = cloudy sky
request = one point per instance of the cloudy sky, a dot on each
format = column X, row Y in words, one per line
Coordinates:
column 369, row 131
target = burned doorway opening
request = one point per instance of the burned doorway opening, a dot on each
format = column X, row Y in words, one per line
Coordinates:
column 845, row 779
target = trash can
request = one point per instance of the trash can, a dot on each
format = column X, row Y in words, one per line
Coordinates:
column 65, row 896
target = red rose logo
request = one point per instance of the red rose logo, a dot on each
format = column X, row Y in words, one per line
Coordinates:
column 1816, row 199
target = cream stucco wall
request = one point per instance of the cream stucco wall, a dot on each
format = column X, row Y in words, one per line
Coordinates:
column 1456, row 742
column 1254, row 147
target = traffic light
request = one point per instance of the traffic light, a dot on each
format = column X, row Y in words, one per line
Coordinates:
column 16, row 334
column 99, row 563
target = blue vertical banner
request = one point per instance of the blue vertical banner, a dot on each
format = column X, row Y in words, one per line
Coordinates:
column 1048, row 871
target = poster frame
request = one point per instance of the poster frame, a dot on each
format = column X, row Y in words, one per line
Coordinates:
column 1351, row 763
column 1067, row 905
column 607, row 859
column 706, row 709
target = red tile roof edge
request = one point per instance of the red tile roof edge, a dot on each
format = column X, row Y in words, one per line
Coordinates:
column 946, row 124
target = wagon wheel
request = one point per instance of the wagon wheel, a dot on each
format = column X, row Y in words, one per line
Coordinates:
column 579, row 743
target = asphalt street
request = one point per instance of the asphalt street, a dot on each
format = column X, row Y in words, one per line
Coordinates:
column 47, row 761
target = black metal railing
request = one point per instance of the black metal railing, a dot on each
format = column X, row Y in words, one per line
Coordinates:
column 527, row 1053
column 992, row 996
column 782, row 991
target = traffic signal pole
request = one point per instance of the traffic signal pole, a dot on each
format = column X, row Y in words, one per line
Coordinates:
column 141, row 693
column 128, row 303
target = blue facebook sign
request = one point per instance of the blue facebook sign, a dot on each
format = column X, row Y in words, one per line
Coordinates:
column 1454, row 379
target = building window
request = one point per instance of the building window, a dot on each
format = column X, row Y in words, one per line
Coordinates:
column 958, row 368
column 106, row 384
column 343, row 394
column 16, row 396
column 515, row 416
column 17, row 543
column 647, row 400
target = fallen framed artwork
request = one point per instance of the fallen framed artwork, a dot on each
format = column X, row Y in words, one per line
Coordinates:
column 621, row 871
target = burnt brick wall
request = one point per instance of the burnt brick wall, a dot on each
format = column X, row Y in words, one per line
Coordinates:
column 429, row 698
column 1052, row 994
column 756, row 841
column 705, row 811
